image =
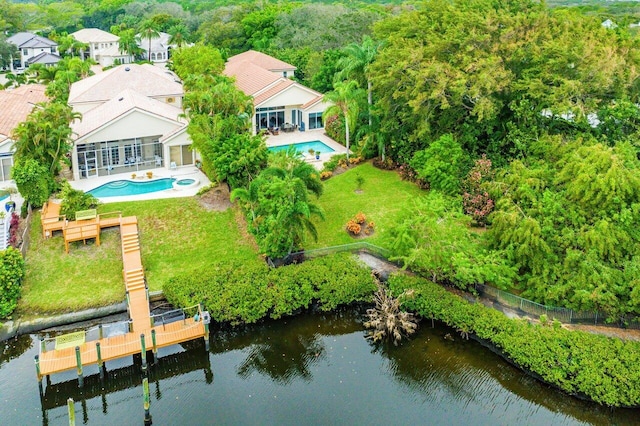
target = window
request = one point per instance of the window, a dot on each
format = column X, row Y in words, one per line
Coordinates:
column 315, row 120
column 284, row 74
column 25, row 51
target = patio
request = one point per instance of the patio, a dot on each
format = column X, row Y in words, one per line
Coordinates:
column 157, row 173
column 289, row 138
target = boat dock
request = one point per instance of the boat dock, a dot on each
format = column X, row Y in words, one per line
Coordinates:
column 145, row 331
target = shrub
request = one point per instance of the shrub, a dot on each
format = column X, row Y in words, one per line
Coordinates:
column 245, row 293
column 353, row 227
column 332, row 164
column 74, row 200
column 360, row 218
column 12, row 272
column 326, row 175
column 14, row 228
column 33, row 181
column 606, row 370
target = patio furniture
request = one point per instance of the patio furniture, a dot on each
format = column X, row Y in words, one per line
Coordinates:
column 51, row 219
column 86, row 214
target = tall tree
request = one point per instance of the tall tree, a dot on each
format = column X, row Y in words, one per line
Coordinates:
column 8, row 51
column 345, row 103
column 148, row 31
column 179, row 34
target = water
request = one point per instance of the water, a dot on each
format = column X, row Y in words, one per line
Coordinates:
column 304, row 147
column 185, row 182
column 311, row 370
column 119, row 188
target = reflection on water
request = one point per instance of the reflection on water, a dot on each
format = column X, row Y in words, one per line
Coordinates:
column 312, row 369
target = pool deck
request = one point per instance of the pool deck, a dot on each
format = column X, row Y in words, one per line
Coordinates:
column 159, row 173
column 284, row 139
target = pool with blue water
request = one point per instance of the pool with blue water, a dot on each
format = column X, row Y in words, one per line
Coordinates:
column 119, row 188
column 304, row 147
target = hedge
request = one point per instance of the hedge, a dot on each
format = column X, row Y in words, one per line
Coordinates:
column 12, row 272
column 247, row 292
column 606, row 370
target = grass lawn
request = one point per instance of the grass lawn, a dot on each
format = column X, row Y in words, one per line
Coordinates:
column 175, row 235
column 383, row 196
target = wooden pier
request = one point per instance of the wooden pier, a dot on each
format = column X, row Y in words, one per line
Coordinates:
column 73, row 352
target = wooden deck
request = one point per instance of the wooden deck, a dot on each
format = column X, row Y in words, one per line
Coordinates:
column 58, row 360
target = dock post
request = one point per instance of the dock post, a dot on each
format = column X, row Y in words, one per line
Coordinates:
column 143, row 352
column 206, row 336
column 43, row 346
column 37, row 358
column 100, row 363
column 72, row 412
column 100, row 334
column 147, row 401
column 79, row 367
column 155, row 346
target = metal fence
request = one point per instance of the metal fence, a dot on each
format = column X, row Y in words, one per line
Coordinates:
column 565, row 315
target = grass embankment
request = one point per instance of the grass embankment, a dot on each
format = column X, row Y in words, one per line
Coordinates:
column 382, row 198
column 176, row 235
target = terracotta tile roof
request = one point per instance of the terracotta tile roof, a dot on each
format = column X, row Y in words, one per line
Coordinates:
column 313, row 101
column 274, row 90
column 145, row 79
column 120, row 105
column 94, row 35
column 17, row 104
column 250, row 78
column 262, row 60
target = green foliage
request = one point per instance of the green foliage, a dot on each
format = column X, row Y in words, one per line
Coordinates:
column 278, row 205
column 12, row 272
column 441, row 164
column 247, row 292
column 606, row 370
column 433, row 239
column 74, row 200
column 33, row 181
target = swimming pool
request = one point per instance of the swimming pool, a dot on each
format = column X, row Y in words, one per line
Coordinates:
column 119, row 188
column 304, row 147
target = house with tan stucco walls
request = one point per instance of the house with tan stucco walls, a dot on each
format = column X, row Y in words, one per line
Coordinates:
column 279, row 101
column 132, row 120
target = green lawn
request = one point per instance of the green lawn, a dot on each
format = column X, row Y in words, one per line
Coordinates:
column 383, row 195
column 175, row 235
column 178, row 235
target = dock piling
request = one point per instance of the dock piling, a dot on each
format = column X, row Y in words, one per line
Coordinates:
column 143, row 352
column 100, row 363
column 79, row 367
column 72, row 412
column 155, row 347
column 147, row 401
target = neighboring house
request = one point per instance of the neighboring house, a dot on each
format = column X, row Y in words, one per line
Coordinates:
column 17, row 104
column 104, row 47
column 132, row 120
column 46, row 59
column 278, row 100
column 160, row 47
column 31, row 46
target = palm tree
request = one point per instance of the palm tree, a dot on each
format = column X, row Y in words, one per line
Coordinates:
column 128, row 43
column 356, row 64
column 148, row 31
column 178, row 34
column 15, row 80
column 345, row 102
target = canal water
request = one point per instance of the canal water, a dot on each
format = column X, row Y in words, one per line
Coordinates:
column 314, row 369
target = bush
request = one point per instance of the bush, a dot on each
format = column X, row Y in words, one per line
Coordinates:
column 14, row 228
column 606, row 370
column 12, row 272
column 245, row 293
column 334, row 161
column 33, row 181
column 74, row 200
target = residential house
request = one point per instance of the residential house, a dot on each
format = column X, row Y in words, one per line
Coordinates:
column 104, row 47
column 160, row 47
column 17, row 104
column 132, row 120
column 279, row 101
column 32, row 47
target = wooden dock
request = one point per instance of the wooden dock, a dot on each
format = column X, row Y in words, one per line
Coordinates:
column 73, row 352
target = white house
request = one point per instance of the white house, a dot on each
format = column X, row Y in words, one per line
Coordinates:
column 31, row 46
column 104, row 47
column 160, row 47
column 132, row 120
column 17, row 104
column 279, row 102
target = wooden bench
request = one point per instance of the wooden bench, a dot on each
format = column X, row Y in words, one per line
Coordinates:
column 81, row 231
column 51, row 219
column 86, row 214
